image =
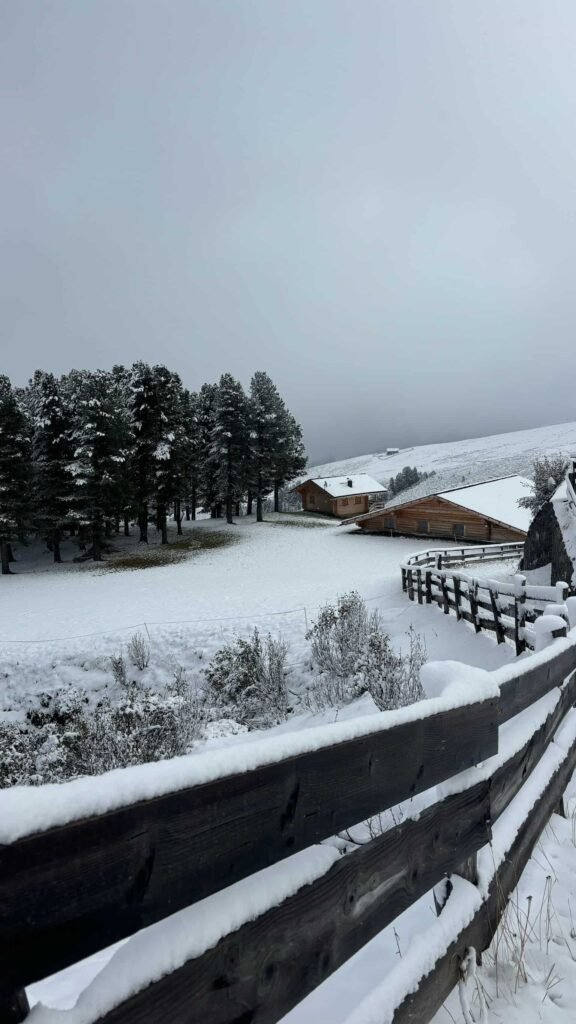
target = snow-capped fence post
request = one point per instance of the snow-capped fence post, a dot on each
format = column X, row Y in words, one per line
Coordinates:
column 562, row 591
column 570, row 603
column 457, row 596
column 404, row 584
column 429, row 588
column 419, row 584
column 473, row 599
column 548, row 628
column 519, row 582
column 410, row 584
column 14, row 1008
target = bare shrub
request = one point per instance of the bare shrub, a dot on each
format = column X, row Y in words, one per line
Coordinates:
column 118, row 666
column 354, row 656
column 139, row 651
column 247, row 678
column 393, row 680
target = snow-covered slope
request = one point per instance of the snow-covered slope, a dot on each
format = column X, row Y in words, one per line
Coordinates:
column 458, row 462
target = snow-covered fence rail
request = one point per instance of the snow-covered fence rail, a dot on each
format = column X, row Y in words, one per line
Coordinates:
column 507, row 608
column 222, row 842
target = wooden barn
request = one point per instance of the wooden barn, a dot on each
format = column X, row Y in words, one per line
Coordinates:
column 340, row 496
column 486, row 512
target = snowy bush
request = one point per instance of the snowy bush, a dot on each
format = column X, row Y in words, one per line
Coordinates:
column 247, row 678
column 354, row 655
column 63, row 738
column 547, row 473
column 118, row 666
column 139, row 651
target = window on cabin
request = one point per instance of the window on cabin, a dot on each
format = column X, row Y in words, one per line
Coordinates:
column 344, row 501
column 423, row 526
column 390, row 523
column 459, row 530
column 357, row 501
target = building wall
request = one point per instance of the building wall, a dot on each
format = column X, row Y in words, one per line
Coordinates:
column 355, row 505
column 443, row 521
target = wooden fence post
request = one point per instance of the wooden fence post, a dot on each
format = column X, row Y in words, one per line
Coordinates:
column 472, row 597
column 519, row 612
column 419, row 583
column 500, row 637
column 457, row 596
column 404, row 585
column 445, row 594
column 410, row 585
column 14, row 1008
column 428, row 587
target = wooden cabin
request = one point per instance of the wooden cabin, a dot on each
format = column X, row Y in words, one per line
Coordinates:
column 486, row 512
column 340, row 496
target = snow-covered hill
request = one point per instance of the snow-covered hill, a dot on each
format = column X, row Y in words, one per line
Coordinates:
column 458, row 462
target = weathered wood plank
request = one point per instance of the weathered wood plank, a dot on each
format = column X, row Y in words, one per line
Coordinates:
column 269, row 965
column 73, row 890
column 536, row 680
column 420, row 1007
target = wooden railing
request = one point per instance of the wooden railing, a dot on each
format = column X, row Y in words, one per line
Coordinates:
column 507, row 608
column 83, row 884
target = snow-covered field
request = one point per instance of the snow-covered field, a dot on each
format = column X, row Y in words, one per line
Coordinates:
column 61, row 626
column 462, row 462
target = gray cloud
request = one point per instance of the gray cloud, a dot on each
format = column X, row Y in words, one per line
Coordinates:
column 373, row 201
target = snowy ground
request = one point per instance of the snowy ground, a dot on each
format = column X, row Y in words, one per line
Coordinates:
column 462, row 462
column 276, row 576
column 60, row 627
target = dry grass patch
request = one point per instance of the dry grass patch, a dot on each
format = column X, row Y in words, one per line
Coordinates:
column 177, row 551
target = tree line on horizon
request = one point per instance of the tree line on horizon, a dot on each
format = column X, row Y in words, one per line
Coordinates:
column 86, row 453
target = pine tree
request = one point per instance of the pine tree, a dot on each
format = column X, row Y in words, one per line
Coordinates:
column 291, row 455
column 52, row 457
column 145, row 415
column 229, row 441
column 101, row 447
column 208, row 460
column 169, row 455
column 15, row 451
column 267, row 428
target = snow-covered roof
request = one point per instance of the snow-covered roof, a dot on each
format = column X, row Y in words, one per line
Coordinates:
column 497, row 499
column 342, row 486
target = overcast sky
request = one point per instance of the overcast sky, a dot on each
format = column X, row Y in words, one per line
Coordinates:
column 373, row 200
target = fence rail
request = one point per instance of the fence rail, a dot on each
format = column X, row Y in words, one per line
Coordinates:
column 508, row 609
column 77, row 887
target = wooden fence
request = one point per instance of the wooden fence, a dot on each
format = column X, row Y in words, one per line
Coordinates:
column 78, row 887
column 507, row 608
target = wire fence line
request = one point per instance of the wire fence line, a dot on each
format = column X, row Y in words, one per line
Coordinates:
column 303, row 610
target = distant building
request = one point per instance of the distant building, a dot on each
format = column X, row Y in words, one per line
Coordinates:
column 486, row 512
column 392, row 451
column 340, row 496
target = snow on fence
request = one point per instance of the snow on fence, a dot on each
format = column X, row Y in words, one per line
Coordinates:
column 217, row 860
column 509, row 609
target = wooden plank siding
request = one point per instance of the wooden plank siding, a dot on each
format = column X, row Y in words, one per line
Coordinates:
column 442, row 517
column 315, row 499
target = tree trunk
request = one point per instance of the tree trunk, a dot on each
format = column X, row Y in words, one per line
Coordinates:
column 143, row 524
column 10, row 553
column 218, row 510
column 162, row 525
column 193, row 501
column 6, row 570
column 259, row 516
column 107, row 528
column 213, row 512
column 126, row 525
column 97, row 541
column 187, row 513
column 229, row 518
column 56, row 545
column 117, row 524
column 237, row 508
column 249, row 503
column 178, row 516
column 276, row 495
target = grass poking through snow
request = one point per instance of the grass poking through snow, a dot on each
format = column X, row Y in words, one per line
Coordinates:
column 177, row 551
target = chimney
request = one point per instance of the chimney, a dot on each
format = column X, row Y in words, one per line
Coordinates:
column 349, row 482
